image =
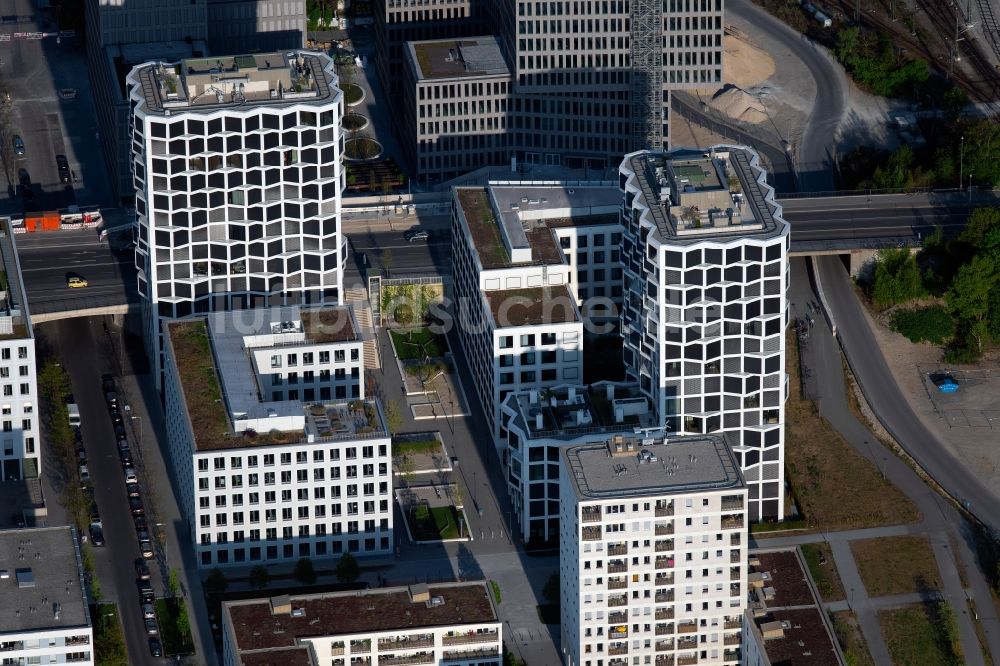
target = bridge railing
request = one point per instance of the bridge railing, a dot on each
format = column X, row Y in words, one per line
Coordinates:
column 864, row 193
column 82, row 303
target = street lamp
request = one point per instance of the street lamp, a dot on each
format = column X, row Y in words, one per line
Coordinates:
column 961, row 161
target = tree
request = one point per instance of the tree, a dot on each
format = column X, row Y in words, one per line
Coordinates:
column 173, row 584
column 980, row 223
column 387, row 261
column 896, row 278
column 304, row 572
column 407, row 468
column 216, row 582
column 182, row 621
column 347, row 570
column 969, row 297
column 260, row 577
column 393, row 418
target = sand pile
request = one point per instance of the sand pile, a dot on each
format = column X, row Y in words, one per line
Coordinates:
column 745, row 65
column 737, row 104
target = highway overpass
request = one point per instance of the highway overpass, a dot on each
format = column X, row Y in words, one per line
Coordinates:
column 855, row 224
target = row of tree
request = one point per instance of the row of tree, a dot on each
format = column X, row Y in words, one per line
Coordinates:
column 346, row 571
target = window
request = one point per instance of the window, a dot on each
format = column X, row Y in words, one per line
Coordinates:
column 506, row 341
column 307, row 358
column 324, row 357
column 528, row 340
column 293, row 360
column 276, row 361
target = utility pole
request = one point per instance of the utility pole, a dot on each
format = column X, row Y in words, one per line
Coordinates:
column 961, row 161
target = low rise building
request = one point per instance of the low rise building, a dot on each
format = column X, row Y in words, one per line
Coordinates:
column 454, row 624
column 21, row 453
column 652, row 551
column 45, row 617
column 456, row 93
column 276, row 453
column 785, row 622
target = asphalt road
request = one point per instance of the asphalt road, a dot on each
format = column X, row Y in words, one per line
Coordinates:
column 816, row 149
column 383, row 245
column 86, row 355
column 887, row 401
column 49, row 258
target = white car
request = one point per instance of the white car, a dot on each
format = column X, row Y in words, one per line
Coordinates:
column 147, row 612
column 130, row 477
column 84, row 474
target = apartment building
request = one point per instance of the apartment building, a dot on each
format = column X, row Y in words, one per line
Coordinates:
column 706, row 269
column 238, row 180
column 19, row 416
column 45, row 617
column 448, row 623
column 535, row 425
column 400, row 21
column 455, row 94
column 652, row 552
column 785, row 621
column 282, row 464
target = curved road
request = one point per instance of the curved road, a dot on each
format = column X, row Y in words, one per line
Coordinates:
column 887, row 401
column 815, row 152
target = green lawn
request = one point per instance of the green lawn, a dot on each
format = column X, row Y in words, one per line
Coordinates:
column 109, row 643
column 441, row 523
column 423, row 446
column 166, row 617
column 819, row 558
column 417, row 344
column 852, row 642
column 352, row 93
column 896, row 565
column 922, row 635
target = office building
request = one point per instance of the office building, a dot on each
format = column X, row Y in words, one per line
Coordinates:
column 785, row 622
column 281, row 464
column 21, row 454
column 238, row 180
column 536, row 424
column 400, row 21
column 239, row 26
column 448, row 623
column 705, row 252
column 652, row 552
column 456, row 96
column 45, row 618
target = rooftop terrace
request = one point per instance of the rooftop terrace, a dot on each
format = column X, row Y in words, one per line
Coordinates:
column 256, row 627
column 532, row 306
column 647, row 466
column 41, row 584
column 449, row 59
column 567, row 412
column 261, row 78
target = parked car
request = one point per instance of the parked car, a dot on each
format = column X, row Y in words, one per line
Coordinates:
column 140, row 524
column 81, row 455
column 133, row 492
column 84, row 474
column 125, row 455
column 122, row 444
column 107, row 384
column 62, row 164
column 151, row 627
column 145, row 591
column 120, row 431
column 146, row 549
column 95, row 515
column 135, row 504
column 155, row 649
column 96, row 535
column 24, row 178
column 147, row 612
column 18, row 145
column 130, row 476
column 141, row 570
column 414, row 235
column 112, row 399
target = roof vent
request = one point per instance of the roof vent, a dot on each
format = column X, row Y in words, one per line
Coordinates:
column 419, row 592
column 298, row 611
column 435, row 601
column 56, row 610
column 281, row 605
column 25, row 578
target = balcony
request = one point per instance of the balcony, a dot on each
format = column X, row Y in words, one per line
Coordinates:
column 617, row 584
column 664, row 613
column 732, row 623
column 664, row 545
column 361, row 646
column 664, row 660
column 471, row 637
column 687, row 643
column 687, row 660
column 664, row 579
column 406, row 642
column 466, row 655
column 617, row 566
column 663, row 646
column 617, row 600
column 732, row 503
column 664, row 563
column 687, row 627
column 732, row 522
column 662, row 510
column 8, row 646
column 734, row 573
column 734, row 557
column 664, row 529
column 663, row 596
column 406, row 660
column 735, row 539
column 663, row 629
column 731, row 655
column 734, row 639
column 734, row 589
column 618, row 631
column 618, row 662
column 591, row 515
column 618, row 648
column 618, row 549
column 591, row 533
column 618, row 617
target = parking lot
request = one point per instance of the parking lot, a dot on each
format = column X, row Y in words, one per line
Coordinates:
column 33, row 72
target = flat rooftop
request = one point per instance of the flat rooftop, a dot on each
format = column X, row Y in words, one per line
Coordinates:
column 260, row 78
column 453, row 59
column 256, row 627
column 648, row 466
column 532, row 306
column 694, row 194
column 569, row 411
column 290, row 656
column 14, row 319
column 790, row 623
column 42, row 582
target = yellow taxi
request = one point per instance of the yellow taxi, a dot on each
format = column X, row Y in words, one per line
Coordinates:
column 76, row 283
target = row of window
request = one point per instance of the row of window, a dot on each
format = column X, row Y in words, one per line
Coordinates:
column 301, row 513
column 290, row 551
column 292, row 360
column 301, row 457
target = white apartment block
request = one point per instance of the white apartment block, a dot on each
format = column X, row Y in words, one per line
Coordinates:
column 282, row 464
column 706, row 270
column 45, row 617
column 455, row 95
column 652, row 552
column 21, row 454
column 536, row 424
column 238, row 178
column 448, row 623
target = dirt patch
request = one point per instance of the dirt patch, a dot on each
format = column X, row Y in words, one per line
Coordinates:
column 896, row 565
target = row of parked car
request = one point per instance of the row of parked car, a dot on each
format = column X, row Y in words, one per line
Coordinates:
column 146, row 595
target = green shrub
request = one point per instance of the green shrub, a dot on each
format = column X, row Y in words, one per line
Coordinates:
column 932, row 324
